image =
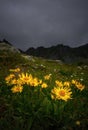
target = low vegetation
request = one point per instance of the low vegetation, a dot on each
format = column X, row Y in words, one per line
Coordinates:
column 39, row 94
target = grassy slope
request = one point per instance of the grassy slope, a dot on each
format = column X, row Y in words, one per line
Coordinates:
column 40, row 67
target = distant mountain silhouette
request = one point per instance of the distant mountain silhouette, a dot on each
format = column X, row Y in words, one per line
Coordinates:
column 5, row 41
column 6, row 46
column 60, row 52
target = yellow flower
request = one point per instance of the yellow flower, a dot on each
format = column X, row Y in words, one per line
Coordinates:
column 63, row 93
column 15, row 70
column 44, row 85
column 25, row 78
column 59, row 83
column 74, row 81
column 40, row 81
column 9, row 78
column 34, row 82
column 80, row 86
column 47, row 77
column 19, row 82
column 13, row 81
column 17, row 89
column 67, row 84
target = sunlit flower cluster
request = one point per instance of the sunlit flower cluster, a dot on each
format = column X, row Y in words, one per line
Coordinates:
column 19, row 79
column 61, row 84
column 60, row 91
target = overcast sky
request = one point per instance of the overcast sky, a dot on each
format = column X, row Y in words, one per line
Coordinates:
column 33, row 23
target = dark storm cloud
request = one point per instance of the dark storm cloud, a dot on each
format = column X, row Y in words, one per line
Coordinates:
column 44, row 22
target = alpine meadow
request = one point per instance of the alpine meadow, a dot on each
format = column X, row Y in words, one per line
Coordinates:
column 41, row 94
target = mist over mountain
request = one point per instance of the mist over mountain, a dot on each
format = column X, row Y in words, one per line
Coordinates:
column 61, row 52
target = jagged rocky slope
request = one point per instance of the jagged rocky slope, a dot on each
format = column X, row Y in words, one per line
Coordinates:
column 61, row 52
column 6, row 46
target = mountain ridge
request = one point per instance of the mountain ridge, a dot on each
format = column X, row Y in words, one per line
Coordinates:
column 7, row 46
column 60, row 52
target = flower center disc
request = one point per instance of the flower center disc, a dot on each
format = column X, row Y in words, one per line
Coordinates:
column 62, row 93
column 26, row 78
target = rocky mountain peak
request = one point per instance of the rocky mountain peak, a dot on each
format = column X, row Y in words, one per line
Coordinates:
column 61, row 52
column 6, row 46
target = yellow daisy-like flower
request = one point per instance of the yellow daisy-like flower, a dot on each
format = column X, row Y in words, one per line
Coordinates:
column 47, row 77
column 15, row 70
column 9, row 78
column 78, row 85
column 25, row 78
column 34, row 82
column 67, row 84
column 59, row 83
column 13, row 81
column 63, row 93
column 44, row 85
column 17, row 89
column 74, row 81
